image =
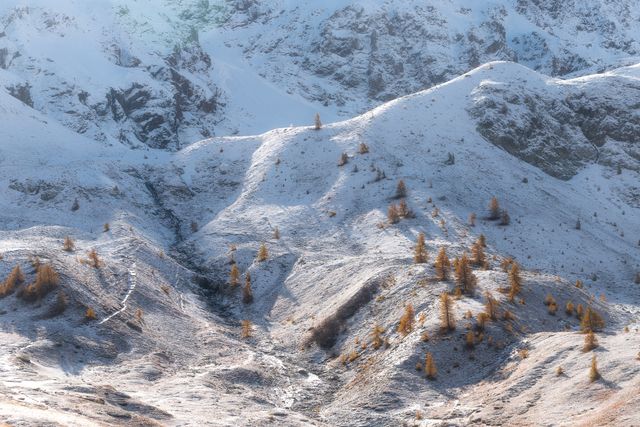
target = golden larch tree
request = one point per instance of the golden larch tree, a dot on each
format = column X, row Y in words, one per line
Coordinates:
column 430, row 369
column 420, row 250
column 442, row 265
column 263, row 253
column 247, row 292
column 491, row 306
column 447, row 318
column 478, row 257
column 465, row 278
column 234, row 275
column 494, row 208
column 401, row 190
column 515, row 281
column 407, row 320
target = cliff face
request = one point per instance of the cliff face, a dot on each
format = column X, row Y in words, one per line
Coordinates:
column 164, row 75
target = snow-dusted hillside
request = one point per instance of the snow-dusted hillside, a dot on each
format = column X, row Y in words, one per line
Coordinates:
column 163, row 73
column 178, row 220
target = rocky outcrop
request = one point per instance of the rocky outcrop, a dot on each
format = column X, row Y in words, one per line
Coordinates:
column 379, row 51
column 561, row 133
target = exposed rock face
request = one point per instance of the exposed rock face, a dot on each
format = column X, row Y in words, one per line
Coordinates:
column 381, row 51
column 126, row 92
column 153, row 78
column 560, row 133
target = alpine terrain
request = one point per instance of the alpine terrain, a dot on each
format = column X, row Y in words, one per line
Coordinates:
column 338, row 213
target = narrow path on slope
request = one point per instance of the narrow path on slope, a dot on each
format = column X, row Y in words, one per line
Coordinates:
column 132, row 286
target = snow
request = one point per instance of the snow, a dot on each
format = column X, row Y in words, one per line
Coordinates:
column 176, row 219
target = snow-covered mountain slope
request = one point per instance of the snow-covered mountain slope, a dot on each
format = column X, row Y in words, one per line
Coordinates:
column 164, row 74
column 176, row 220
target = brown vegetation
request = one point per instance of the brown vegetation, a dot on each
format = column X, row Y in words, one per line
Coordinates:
column 430, row 369
column 515, row 281
column 68, row 245
column 407, row 320
column 590, row 341
column 494, row 208
column 263, row 253
column 447, row 318
column 594, row 374
column 420, row 251
column 491, row 306
column 465, row 279
column 234, row 275
column 247, row 292
column 46, row 280
column 401, row 190
column 591, row 321
column 442, row 265
column 393, row 215
column 15, row 278
column 246, row 329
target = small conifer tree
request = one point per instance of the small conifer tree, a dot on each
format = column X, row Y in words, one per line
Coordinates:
column 472, row 219
column 591, row 321
column 90, row 314
column 276, row 233
column 247, row 292
column 491, row 306
column 430, row 369
column 465, row 278
column 68, row 245
column 515, row 281
column 401, row 190
column 494, row 208
column 420, row 251
column 505, row 219
column 447, row 319
column 106, row 227
column 569, row 308
column 15, row 278
column 363, row 148
column 442, row 265
column 481, row 320
column 403, row 209
column 234, row 275
column 470, row 340
column 317, row 122
column 392, row 214
column 478, row 257
column 407, row 320
column 94, row 260
column 246, row 329
column 590, row 341
column 344, row 159
column 61, row 303
column 579, row 311
column 594, row 374
column 482, row 240
column 263, row 254
column 376, row 337
column 46, row 280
